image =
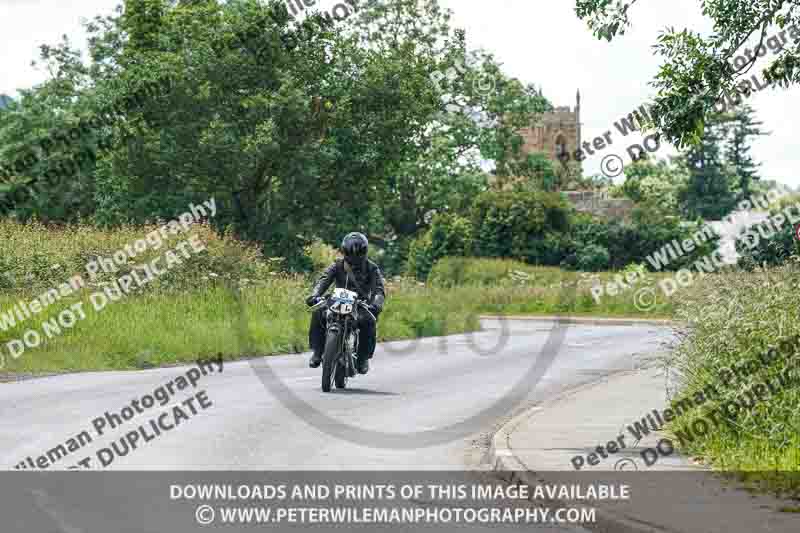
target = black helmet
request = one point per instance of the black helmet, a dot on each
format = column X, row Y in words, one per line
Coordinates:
column 354, row 247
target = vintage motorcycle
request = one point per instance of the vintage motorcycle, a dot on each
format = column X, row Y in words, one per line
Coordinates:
column 341, row 338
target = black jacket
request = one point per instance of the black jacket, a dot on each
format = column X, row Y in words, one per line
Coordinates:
column 370, row 279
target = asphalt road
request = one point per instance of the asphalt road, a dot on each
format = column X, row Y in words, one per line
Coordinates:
column 270, row 414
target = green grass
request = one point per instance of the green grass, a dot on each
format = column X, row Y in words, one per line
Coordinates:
column 155, row 329
column 511, row 287
column 736, row 317
column 167, row 327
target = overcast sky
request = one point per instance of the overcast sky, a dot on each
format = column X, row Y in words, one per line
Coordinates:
column 540, row 42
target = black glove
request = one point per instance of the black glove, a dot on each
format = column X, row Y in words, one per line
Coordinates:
column 374, row 309
column 377, row 304
column 312, row 300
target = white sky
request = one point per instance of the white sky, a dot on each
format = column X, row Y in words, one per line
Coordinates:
column 540, row 42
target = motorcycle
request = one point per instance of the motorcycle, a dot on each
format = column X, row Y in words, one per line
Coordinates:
column 341, row 337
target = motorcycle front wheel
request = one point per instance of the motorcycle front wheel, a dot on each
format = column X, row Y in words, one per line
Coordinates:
column 340, row 376
column 329, row 358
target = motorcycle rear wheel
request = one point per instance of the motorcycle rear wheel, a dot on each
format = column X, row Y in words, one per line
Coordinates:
column 329, row 358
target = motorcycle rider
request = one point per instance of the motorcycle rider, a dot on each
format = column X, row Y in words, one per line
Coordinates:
column 356, row 273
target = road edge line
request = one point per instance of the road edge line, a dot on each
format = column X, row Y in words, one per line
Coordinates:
column 595, row 321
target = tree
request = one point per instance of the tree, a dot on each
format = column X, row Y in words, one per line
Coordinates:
column 697, row 72
column 474, row 112
column 542, row 174
column 742, row 128
column 293, row 141
column 707, row 179
column 711, row 190
column 654, row 184
column 46, row 170
column 299, row 130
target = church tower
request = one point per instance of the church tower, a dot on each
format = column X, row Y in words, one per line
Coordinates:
column 578, row 114
column 557, row 135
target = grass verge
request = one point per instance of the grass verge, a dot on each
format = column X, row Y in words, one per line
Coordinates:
column 159, row 328
column 744, row 339
column 156, row 329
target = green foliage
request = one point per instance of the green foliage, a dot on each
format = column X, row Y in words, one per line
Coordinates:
column 540, row 228
column 591, row 258
column 627, row 242
column 295, row 142
column 712, row 189
column 56, row 182
column 164, row 328
column 321, row 255
column 787, row 200
column 654, row 184
column 394, row 257
column 736, row 318
column 36, row 258
column 512, row 287
column 476, row 117
column 698, row 69
column 530, row 226
column 741, row 127
column 448, row 235
column 294, row 139
column 482, row 272
column 542, row 173
column 708, row 178
column 763, row 245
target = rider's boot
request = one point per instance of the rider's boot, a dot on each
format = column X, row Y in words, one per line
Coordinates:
column 362, row 364
column 316, row 358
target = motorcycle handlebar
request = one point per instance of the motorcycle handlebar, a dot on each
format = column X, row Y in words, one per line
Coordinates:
column 323, row 300
column 363, row 304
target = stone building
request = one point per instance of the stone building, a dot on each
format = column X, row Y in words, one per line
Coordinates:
column 600, row 203
column 558, row 135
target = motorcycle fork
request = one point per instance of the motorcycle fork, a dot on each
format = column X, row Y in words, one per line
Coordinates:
column 344, row 329
column 350, row 354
